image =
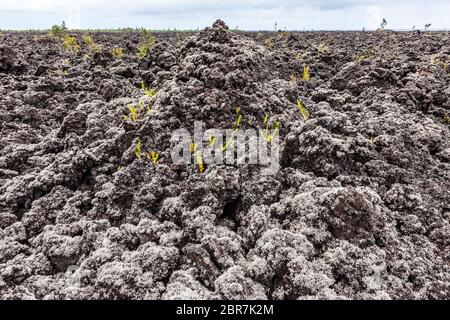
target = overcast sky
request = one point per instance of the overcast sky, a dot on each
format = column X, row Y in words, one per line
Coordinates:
column 245, row 14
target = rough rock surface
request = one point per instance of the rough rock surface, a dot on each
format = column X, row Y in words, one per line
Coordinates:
column 359, row 210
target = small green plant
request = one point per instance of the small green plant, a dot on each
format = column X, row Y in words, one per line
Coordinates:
column 364, row 56
column 199, row 160
column 237, row 124
column 440, row 61
column 192, row 147
column 87, row 40
column 212, row 140
column 322, row 48
column 298, row 56
column 153, row 156
column 446, row 119
column 137, row 150
column 148, row 91
column 306, row 75
column 147, row 42
column 269, row 43
column 92, row 46
column 117, row 52
column 197, row 156
column 303, row 110
column 134, row 113
column 239, row 118
column 70, row 44
column 268, row 134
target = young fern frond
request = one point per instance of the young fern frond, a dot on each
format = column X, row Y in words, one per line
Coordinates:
column 192, row 148
column 225, row 146
column 303, row 110
column 238, row 121
column 148, row 91
column 117, row 52
column 212, row 140
column 137, row 150
column 306, row 74
column 134, row 113
column 322, row 48
column 70, row 43
column 446, row 119
column 87, row 40
column 153, row 156
column 276, row 127
column 148, row 41
column 199, row 160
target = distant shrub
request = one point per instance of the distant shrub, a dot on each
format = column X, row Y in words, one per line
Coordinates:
column 147, row 42
column 383, row 25
column 58, row 32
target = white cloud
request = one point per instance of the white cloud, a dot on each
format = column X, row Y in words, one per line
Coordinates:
column 248, row 14
column 373, row 17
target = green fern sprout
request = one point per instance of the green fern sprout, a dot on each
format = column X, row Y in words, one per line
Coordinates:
column 137, row 150
column 303, row 110
column 87, row 40
column 148, row 91
column 446, row 119
column 70, row 43
column 212, row 140
column 322, row 48
column 153, row 156
column 117, row 52
column 199, row 160
column 269, row 43
column 306, row 75
column 133, row 113
column 276, row 127
column 364, row 56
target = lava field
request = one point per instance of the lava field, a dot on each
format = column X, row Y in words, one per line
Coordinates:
column 93, row 207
